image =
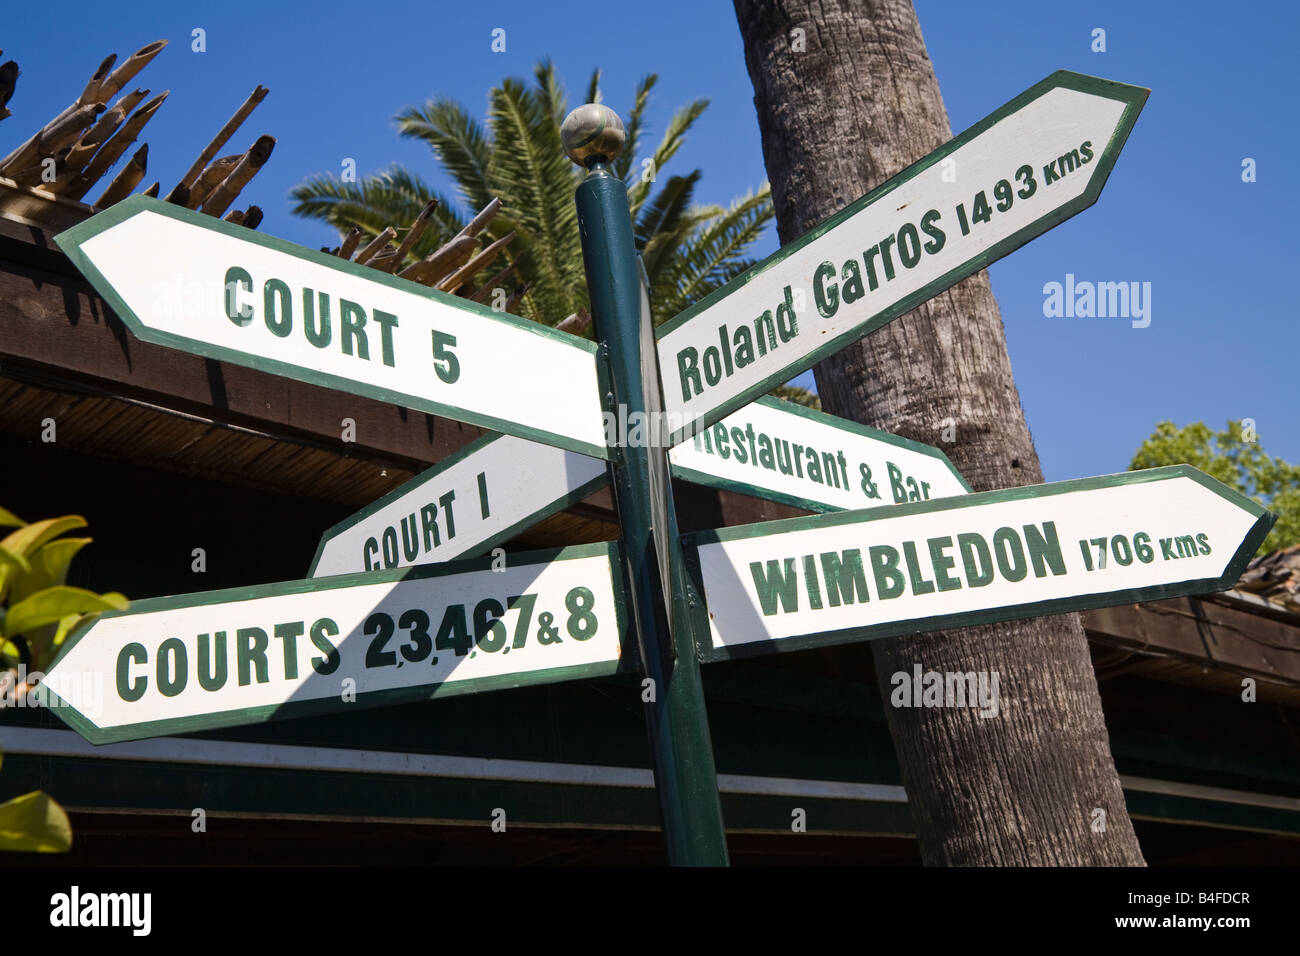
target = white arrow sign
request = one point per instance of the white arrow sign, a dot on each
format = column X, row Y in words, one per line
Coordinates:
column 802, row 457
column 195, row 283
column 225, row 658
column 1034, row 163
column 485, row 494
column 995, row 556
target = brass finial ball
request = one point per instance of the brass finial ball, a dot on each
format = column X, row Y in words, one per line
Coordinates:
column 593, row 132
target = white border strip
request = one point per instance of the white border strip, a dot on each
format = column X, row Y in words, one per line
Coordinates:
column 66, row 743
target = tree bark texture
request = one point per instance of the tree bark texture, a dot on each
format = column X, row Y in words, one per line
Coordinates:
column 858, row 104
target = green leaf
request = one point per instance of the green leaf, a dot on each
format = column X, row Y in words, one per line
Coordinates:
column 34, row 823
column 30, row 537
column 10, row 520
column 53, row 604
column 13, row 559
column 49, row 567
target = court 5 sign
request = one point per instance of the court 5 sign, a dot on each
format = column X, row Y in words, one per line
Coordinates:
column 1032, row 164
column 994, row 556
column 208, row 287
column 241, row 656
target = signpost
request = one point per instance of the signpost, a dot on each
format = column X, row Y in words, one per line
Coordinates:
column 802, row 457
column 208, row 287
column 914, row 552
column 242, row 656
column 995, row 556
column 480, row 497
column 1012, row 176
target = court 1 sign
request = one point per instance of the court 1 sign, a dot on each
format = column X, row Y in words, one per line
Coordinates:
column 994, row 556
column 225, row 658
column 485, row 494
column 1012, row 176
column 195, row 283
column 802, row 457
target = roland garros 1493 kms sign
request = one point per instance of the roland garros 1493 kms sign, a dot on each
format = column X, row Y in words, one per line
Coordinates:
column 973, row 559
column 1012, row 176
column 194, row 283
column 245, row 655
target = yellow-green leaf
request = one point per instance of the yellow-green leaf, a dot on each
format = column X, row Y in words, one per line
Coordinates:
column 10, row 520
column 30, row 537
column 53, row 604
column 49, row 567
column 13, row 559
column 34, row 823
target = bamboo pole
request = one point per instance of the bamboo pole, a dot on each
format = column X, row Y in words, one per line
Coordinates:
column 519, row 293
column 91, row 140
column 252, row 217
column 475, row 265
column 100, row 87
column 214, row 174
column 132, row 65
column 235, row 216
column 575, row 324
column 152, row 191
column 34, row 149
column 223, row 136
column 373, row 247
column 413, row 234
column 126, row 180
column 480, row 222
column 435, row 264
column 219, row 200
column 110, row 152
column 178, row 198
column 50, row 138
column 485, row 290
column 8, row 80
column 350, row 243
column 435, row 278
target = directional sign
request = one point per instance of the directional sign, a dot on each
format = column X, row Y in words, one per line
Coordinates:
column 995, row 556
column 802, row 457
column 198, row 284
column 471, row 501
column 1034, row 163
column 242, row 656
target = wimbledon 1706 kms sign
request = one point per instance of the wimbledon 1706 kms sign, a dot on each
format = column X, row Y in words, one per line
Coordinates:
column 1012, row 176
column 241, row 656
column 994, row 556
column 195, row 283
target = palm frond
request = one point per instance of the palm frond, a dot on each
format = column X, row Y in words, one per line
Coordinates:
column 713, row 255
column 635, row 126
column 457, row 140
column 393, row 197
column 681, row 122
column 593, row 87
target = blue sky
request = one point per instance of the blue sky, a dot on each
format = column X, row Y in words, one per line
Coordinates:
column 1219, row 253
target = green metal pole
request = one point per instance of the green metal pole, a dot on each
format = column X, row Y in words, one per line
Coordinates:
column 681, row 749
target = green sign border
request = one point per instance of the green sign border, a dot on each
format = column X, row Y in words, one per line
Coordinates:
column 1082, row 602
column 429, row 474
column 331, row 705
column 843, row 424
column 1133, row 96
column 70, row 241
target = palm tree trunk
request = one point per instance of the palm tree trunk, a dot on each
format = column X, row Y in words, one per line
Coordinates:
column 858, row 104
